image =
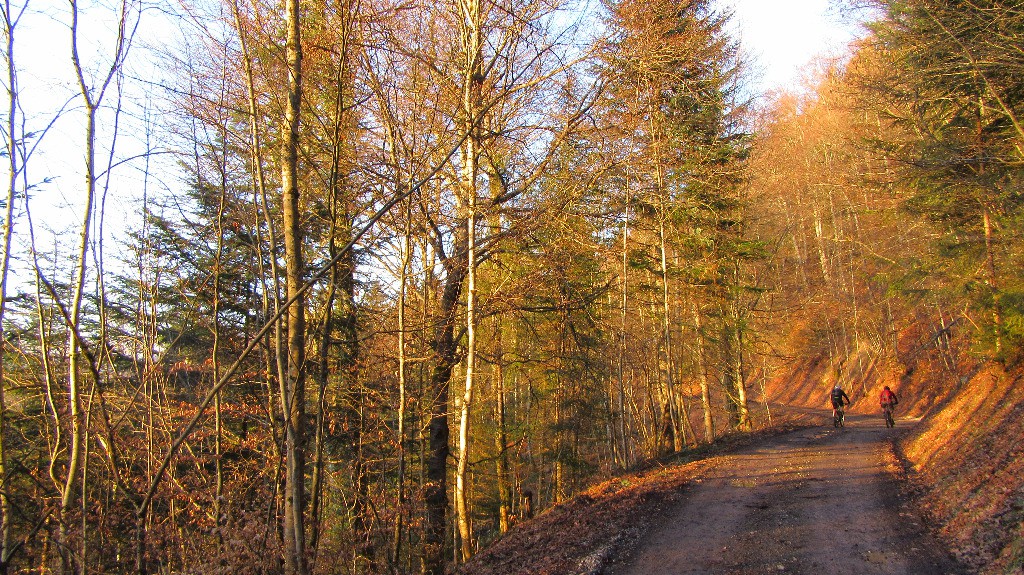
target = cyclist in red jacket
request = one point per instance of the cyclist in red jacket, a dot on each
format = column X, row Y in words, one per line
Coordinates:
column 888, row 401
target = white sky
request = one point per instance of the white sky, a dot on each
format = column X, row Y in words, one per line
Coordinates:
column 783, row 36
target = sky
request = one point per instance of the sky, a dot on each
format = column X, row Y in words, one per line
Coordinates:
column 780, row 36
column 783, row 36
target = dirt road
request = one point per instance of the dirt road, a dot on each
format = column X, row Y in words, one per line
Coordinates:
column 816, row 501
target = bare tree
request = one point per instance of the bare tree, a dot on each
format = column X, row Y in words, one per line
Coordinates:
column 13, row 145
column 93, row 94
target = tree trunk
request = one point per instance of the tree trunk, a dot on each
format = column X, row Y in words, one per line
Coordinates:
column 293, row 388
column 822, row 256
column 468, row 183
column 74, row 375
column 457, row 266
column 993, row 283
column 673, row 403
column 501, row 436
column 396, row 553
column 705, row 389
column 624, row 447
column 215, row 312
column 12, row 146
column 462, row 505
column 735, row 356
column 435, row 488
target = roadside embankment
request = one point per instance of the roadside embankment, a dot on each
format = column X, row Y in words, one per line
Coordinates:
column 966, row 462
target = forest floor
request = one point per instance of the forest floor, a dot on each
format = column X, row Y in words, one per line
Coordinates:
column 810, row 500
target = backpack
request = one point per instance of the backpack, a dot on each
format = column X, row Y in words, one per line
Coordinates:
column 889, row 397
column 837, row 395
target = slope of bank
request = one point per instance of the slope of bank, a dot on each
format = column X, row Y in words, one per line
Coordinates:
column 966, row 461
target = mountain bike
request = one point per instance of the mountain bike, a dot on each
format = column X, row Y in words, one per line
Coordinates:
column 887, row 413
column 837, row 417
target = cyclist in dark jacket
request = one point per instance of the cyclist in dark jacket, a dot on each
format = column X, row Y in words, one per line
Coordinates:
column 838, row 397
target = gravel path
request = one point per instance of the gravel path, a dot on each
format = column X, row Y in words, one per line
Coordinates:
column 816, row 501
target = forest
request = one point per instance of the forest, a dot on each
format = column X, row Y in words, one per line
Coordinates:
column 356, row 287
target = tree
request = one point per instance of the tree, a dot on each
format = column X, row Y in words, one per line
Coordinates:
column 14, row 152
column 947, row 76
column 672, row 79
column 293, row 397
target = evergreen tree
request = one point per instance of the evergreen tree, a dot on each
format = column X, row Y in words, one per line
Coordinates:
column 951, row 82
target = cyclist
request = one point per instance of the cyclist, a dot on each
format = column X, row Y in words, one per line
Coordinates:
column 839, row 399
column 888, row 401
